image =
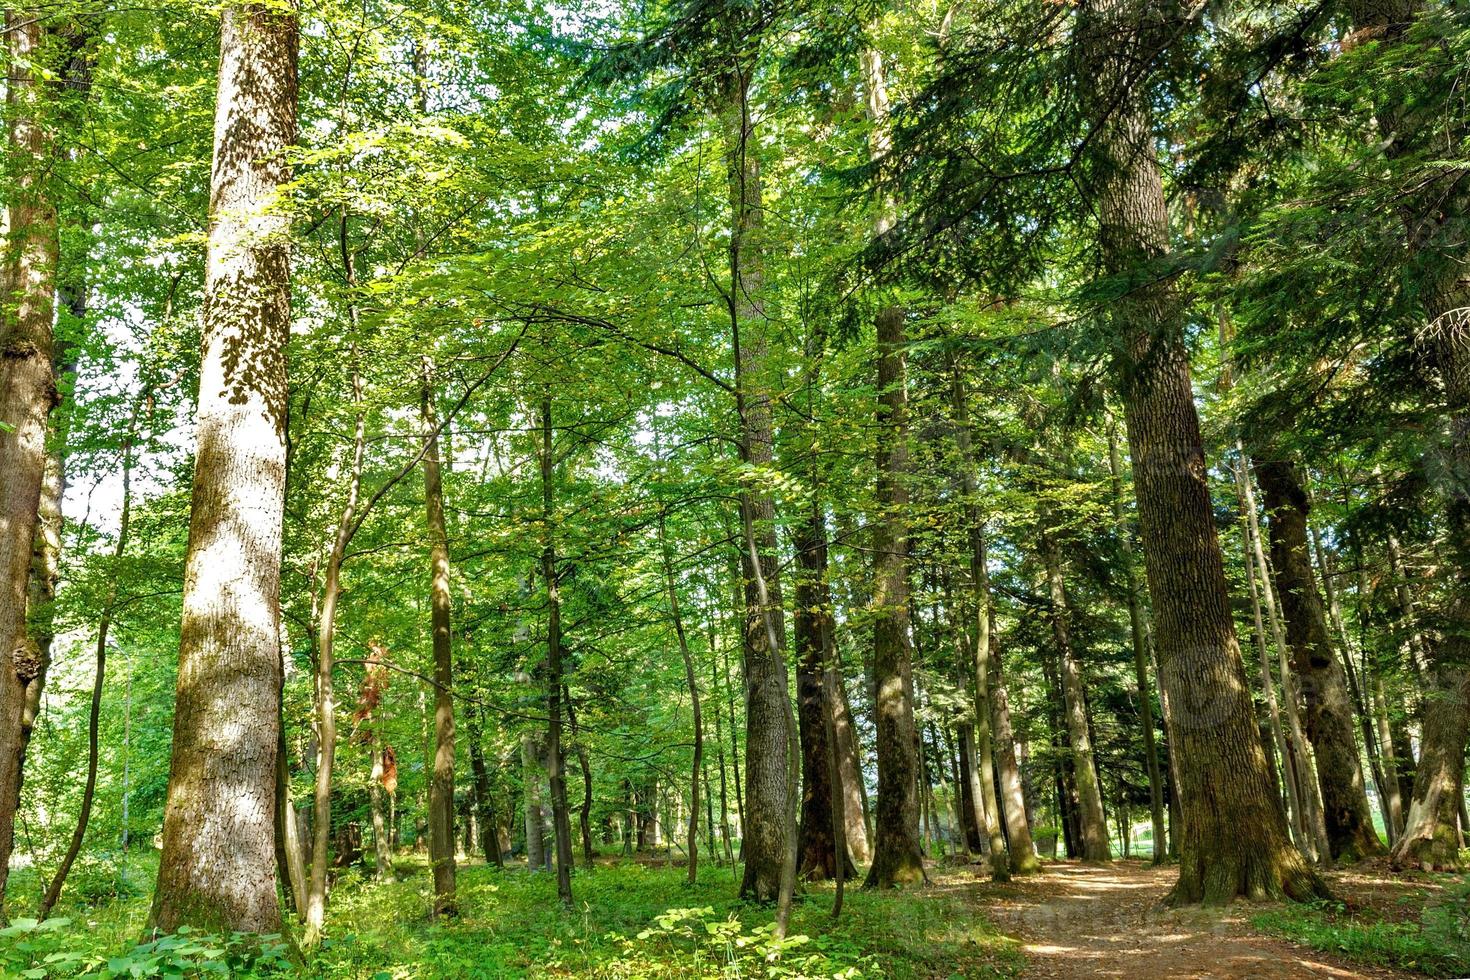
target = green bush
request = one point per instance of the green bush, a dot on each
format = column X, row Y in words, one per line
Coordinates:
column 53, row 949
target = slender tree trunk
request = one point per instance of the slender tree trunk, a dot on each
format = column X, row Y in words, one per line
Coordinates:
column 217, row 868
column 1012, row 790
column 1307, row 790
column 1329, row 722
column 855, row 801
column 897, row 856
column 104, row 625
column 382, row 832
column 1093, row 822
column 290, row 850
column 1235, row 840
column 671, row 584
column 28, row 394
column 441, row 787
column 586, row 767
column 484, row 805
column 970, row 811
column 1138, row 628
column 555, row 764
column 720, row 754
column 765, row 828
column 326, row 699
column 818, row 859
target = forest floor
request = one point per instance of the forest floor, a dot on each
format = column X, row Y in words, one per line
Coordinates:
column 1077, row 920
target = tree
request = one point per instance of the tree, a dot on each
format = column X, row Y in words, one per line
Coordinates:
column 217, row 868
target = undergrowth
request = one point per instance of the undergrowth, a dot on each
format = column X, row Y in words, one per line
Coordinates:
column 1436, row 944
column 630, row 921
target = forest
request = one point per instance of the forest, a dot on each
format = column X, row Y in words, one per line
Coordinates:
column 735, row 488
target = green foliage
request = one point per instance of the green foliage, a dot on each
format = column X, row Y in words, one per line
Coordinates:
column 59, row 948
column 1437, row 943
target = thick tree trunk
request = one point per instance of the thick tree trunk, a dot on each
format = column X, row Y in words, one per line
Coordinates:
column 1234, row 839
column 1092, row 821
column 766, row 844
column 817, row 847
column 441, row 786
column 1329, row 712
column 27, row 396
column 217, row 868
column 897, row 855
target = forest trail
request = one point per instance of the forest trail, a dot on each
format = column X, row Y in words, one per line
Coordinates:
column 1076, row 920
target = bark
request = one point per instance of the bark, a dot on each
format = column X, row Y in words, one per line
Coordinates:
column 441, row 786
column 766, row 841
column 1234, row 839
column 817, row 845
column 382, row 834
column 290, row 849
column 1092, row 821
column 1012, row 790
column 897, row 855
column 585, row 816
column 720, row 754
column 671, row 585
column 1329, row 712
column 555, row 764
column 535, row 827
column 217, row 868
column 28, row 394
column 849, row 766
column 484, row 805
column 1138, row 629
column 970, row 813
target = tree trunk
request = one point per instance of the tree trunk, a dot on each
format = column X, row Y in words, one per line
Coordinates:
column 1012, row 790
column 813, row 632
column 897, row 856
column 555, row 764
column 1138, row 629
column 326, row 701
column 28, row 394
column 672, row 587
column 585, row 817
column 1092, row 821
column 484, row 806
column 971, row 809
column 1234, row 839
column 382, row 833
column 767, row 796
column 217, row 868
column 441, row 787
column 1329, row 711
column 849, row 766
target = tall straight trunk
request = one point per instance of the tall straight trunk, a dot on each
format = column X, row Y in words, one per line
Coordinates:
column 28, row 394
column 217, row 867
column 1092, row 821
column 535, row 826
column 1012, row 789
column 897, row 855
column 989, row 801
column 720, row 754
column 585, row 814
column 671, row 585
column 555, row 765
column 813, row 627
column 484, row 806
column 849, row 767
column 1383, row 730
column 326, row 701
column 290, row 848
column 1138, row 629
column 1234, row 840
column 1308, row 793
column 441, row 787
column 1268, row 685
column 767, row 840
column 1329, row 711
column 970, row 808
column 1357, row 679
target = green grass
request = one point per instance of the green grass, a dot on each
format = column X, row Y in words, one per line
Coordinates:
column 1436, row 944
column 629, row 921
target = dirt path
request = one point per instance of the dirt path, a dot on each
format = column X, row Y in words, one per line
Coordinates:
column 1077, row 920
